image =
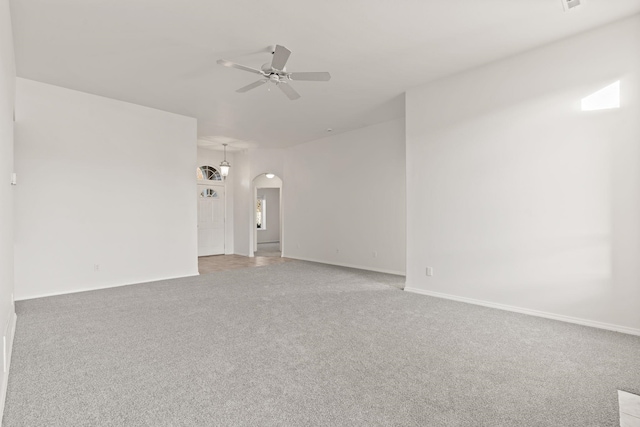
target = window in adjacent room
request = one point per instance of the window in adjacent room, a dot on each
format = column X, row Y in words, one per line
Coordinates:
column 261, row 214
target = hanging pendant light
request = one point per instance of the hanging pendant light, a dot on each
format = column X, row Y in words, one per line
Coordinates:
column 224, row 166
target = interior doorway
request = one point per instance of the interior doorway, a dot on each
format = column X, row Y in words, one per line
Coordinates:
column 268, row 222
column 267, row 214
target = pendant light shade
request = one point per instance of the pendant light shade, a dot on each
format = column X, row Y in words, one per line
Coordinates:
column 224, row 166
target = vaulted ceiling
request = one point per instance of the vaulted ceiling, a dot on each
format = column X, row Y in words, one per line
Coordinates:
column 162, row 54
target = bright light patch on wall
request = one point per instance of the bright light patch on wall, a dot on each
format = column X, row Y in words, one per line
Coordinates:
column 604, row 99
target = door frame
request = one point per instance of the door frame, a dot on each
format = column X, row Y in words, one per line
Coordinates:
column 216, row 185
column 253, row 234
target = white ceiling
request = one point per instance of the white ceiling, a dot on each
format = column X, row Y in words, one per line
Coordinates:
column 162, row 54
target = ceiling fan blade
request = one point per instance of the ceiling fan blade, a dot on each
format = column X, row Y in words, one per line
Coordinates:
column 289, row 91
column 311, row 77
column 230, row 64
column 251, row 86
column 280, row 57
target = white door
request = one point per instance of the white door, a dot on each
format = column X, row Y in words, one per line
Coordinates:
column 210, row 220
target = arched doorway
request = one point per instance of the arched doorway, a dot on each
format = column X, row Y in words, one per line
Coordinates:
column 266, row 236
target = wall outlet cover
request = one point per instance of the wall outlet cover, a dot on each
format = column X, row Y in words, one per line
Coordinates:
column 570, row 4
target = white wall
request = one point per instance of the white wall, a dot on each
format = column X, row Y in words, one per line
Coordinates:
column 267, row 160
column 101, row 182
column 242, row 203
column 7, row 98
column 344, row 199
column 272, row 231
column 213, row 158
column 517, row 197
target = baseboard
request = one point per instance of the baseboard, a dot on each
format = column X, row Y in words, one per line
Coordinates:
column 11, row 327
column 537, row 313
column 97, row 288
column 359, row 267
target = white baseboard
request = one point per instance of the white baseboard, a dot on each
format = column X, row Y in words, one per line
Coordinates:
column 97, row 288
column 560, row 317
column 11, row 327
column 359, row 267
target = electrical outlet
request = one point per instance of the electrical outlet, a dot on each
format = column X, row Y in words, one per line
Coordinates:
column 96, row 267
column 569, row 4
column 429, row 271
column 337, row 251
column 374, row 254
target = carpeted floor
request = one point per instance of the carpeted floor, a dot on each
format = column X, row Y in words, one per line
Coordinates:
column 304, row 344
column 268, row 249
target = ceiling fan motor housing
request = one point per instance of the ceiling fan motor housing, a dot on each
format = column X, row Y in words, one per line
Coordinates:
column 268, row 69
column 276, row 72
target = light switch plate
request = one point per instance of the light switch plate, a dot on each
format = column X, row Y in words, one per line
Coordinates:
column 570, row 4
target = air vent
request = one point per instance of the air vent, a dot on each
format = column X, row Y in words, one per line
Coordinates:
column 570, row 4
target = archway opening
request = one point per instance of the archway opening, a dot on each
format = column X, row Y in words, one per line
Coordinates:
column 266, row 237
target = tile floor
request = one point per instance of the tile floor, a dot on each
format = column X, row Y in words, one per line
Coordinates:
column 211, row 264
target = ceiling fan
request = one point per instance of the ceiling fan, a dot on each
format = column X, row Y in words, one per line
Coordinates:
column 276, row 73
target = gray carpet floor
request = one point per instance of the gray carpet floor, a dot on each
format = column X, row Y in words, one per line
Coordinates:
column 304, row 344
column 268, row 249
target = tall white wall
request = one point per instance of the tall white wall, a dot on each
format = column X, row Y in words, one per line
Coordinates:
column 267, row 160
column 213, row 158
column 271, row 233
column 242, row 203
column 344, row 199
column 7, row 98
column 102, row 182
column 517, row 197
